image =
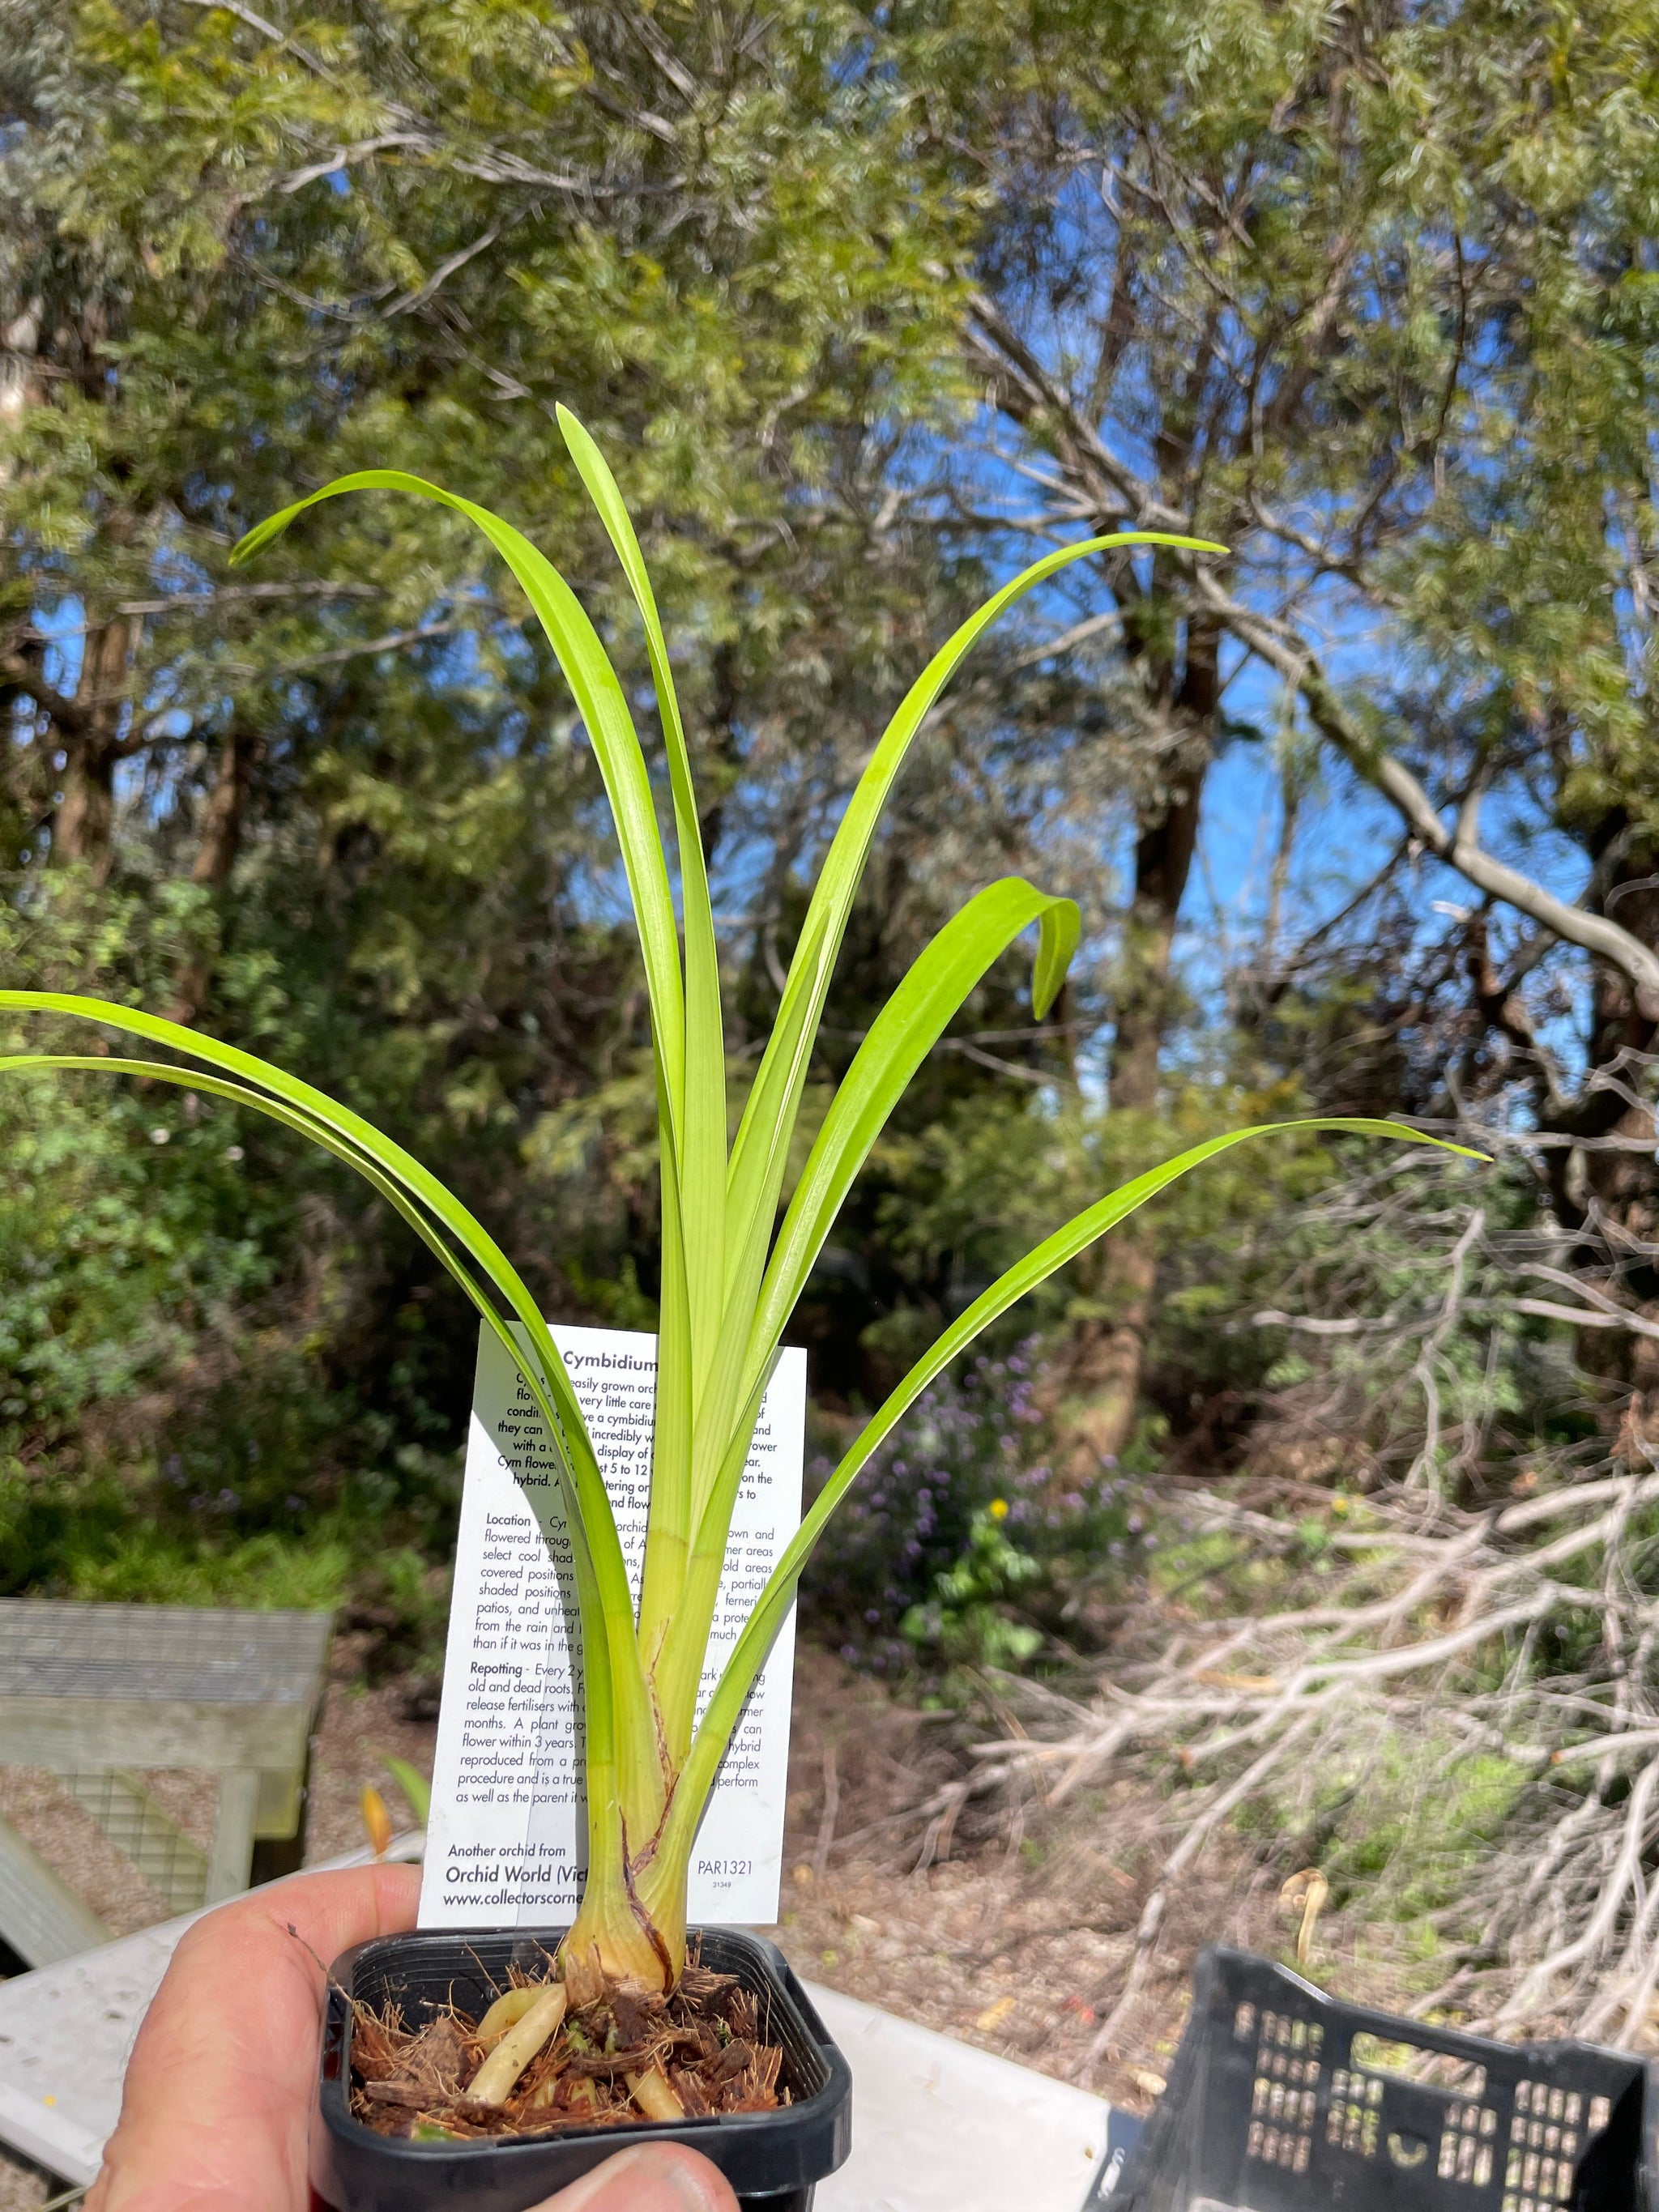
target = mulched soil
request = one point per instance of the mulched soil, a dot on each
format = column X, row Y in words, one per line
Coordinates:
column 700, row 2048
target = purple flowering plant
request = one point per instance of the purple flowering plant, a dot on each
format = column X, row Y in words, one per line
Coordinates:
column 961, row 1544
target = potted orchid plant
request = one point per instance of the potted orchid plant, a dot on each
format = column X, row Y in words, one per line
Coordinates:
column 615, row 2028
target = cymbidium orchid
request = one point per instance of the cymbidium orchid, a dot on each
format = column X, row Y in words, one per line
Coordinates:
column 731, row 1272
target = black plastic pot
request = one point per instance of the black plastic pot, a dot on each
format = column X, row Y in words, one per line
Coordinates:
column 772, row 2160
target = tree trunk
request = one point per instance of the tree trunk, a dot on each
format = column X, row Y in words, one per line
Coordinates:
column 86, row 815
column 85, row 820
column 1108, row 1352
column 1104, row 1375
column 20, row 382
column 222, row 816
column 1612, row 1196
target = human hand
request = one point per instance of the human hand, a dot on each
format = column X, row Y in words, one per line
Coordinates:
column 217, row 2105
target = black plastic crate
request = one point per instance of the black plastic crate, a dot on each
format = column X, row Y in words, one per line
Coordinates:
column 1282, row 2100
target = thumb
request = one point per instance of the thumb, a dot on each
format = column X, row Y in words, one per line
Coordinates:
column 659, row 2176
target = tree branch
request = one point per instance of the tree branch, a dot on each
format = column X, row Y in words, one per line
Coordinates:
column 1290, row 658
column 1026, row 392
column 19, row 678
column 443, row 272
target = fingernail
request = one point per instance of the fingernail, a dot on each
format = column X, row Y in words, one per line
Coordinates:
column 651, row 2178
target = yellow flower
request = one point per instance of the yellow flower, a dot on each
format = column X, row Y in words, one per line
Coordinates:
column 999, row 1509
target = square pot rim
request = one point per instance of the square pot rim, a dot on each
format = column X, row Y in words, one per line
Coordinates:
column 759, row 2152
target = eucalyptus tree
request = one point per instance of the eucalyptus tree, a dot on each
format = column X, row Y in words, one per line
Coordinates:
column 1362, row 292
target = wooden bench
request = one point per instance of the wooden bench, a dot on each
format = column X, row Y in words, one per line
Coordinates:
column 98, row 1692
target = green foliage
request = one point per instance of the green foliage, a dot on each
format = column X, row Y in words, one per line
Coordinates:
column 1375, row 1252
column 972, row 1618
column 974, row 1456
column 94, row 1537
column 1403, row 1824
column 119, row 1228
column 177, row 1419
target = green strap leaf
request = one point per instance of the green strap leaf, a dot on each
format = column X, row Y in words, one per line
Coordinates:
column 747, row 1655
column 761, row 1148
column 694, row 1193
column 678, row 1668
column 668, row 1521
column 760, row 1152
column 602, row 706
column 599, row 1703
column 902, row 1035
column 705, row 1069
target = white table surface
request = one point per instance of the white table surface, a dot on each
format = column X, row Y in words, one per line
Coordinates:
column 937, row 2126
column 940, row 2126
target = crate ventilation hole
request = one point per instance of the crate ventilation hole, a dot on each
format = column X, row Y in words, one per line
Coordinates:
column 1287, row 2088
column 1545, row 2143
column 1544, row 2139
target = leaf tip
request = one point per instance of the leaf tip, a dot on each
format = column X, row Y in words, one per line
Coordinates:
column 1060, row 934
column 255, row 540
column 574, row 430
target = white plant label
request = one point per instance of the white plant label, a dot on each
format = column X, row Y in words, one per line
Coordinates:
column 507, row 1838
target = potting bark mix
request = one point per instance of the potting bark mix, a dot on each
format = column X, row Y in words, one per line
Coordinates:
column 704, row 2041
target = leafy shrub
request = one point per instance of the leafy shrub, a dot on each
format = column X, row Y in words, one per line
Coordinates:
column 968, row 1619
column 961, row 1546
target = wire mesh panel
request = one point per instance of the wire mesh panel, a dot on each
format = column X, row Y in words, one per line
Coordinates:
column 145, row 1832
column 180, row 1655
column 99, row 1694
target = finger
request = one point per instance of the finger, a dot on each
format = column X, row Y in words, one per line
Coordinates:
column 216, row 2106
column 651, row 2178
